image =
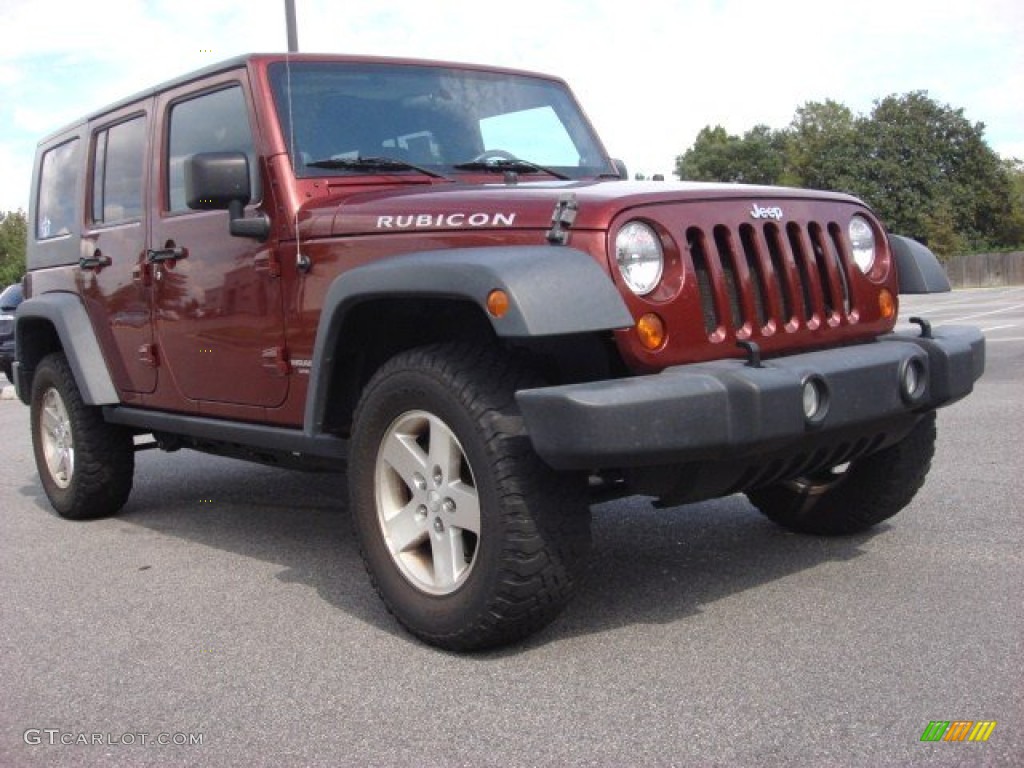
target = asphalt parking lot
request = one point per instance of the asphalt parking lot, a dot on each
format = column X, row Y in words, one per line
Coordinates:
column 228, row 605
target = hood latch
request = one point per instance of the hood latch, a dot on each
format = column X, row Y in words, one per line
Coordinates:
column 562, row 219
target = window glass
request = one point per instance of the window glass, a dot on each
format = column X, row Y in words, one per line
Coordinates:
column 213, row 122
column 58, row 184
column 117, row 171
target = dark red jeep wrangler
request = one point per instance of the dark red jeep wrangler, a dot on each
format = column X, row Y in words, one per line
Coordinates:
column 435, row 275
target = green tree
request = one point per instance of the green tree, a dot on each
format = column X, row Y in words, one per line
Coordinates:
column 758, row 157
column 928, row 161
column 13, row 237
column 1012, row 228
column 823, row 150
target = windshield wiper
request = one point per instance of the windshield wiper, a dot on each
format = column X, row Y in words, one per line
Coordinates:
column 373, row 164
column 501, row 165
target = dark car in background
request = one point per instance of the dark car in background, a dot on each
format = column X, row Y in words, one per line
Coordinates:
column 9, row 301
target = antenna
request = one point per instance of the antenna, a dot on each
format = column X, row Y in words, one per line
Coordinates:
column 293, row 34
column 302, row 261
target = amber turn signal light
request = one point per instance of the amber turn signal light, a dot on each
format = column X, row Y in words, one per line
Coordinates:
column 886, row 304
column 497, row 303
column 651, row 330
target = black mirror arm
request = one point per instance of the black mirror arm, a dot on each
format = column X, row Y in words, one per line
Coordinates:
column 257, row 227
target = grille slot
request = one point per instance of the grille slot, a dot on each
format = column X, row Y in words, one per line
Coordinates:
column 698, row 252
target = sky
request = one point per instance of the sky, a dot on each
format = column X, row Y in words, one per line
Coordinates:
column 650, row 74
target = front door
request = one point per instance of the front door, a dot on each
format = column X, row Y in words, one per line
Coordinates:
column 218, row 307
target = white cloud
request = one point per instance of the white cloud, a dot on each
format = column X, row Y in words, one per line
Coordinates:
column 15, row 177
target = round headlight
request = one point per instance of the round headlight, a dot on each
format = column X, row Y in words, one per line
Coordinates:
column 862, row 242
column 639, row 256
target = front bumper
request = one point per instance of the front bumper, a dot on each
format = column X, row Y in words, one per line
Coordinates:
column 728, row 409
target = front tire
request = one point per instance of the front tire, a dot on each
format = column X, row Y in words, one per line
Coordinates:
column 86, row 465
column 469, row 538
column 856, row 497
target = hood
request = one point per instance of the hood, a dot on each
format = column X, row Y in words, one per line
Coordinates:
column 451, row 207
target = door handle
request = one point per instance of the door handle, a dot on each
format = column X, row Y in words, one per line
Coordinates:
column 166, row 254
column 97, row 261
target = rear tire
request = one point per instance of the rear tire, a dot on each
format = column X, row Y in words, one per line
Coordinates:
column 86, row 465
column 469, row 538
column 868, row 491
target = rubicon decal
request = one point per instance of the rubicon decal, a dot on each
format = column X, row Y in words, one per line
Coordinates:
column 759, row 212
column 434, row 221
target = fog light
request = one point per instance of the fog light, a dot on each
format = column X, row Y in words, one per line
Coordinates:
column 651, row 330
column 912, row 380
column 815, row 397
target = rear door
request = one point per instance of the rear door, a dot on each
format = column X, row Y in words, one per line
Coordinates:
column 114, row 281
column 218, row 307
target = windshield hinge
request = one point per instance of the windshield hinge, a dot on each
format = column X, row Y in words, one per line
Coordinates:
column 562, row 218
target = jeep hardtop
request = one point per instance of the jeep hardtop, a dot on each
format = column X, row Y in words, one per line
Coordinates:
column 434, row 276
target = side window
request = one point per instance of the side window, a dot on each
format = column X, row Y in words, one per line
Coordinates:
column 117, row 171
column 58, row 184
column 213, row 122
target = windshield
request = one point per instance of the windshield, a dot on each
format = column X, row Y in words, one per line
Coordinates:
column 433, row 117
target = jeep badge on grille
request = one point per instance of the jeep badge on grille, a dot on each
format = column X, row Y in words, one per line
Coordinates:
column 757, row 212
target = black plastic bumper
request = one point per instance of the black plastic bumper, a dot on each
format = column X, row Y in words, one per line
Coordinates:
column 723, row 409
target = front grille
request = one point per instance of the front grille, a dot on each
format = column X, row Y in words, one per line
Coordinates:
column 759, row 279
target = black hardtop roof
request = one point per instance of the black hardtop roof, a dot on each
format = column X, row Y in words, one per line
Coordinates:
column 243, row 60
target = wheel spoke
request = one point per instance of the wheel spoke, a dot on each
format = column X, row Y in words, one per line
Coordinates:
column 444, row 450
column 405, row 530
column 66, row 463
column 50, row 419
column 404, row 456
column 467, row 507
column 449, row 558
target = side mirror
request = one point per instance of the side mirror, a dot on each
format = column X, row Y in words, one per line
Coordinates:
column 621, row 168
column 219, row 181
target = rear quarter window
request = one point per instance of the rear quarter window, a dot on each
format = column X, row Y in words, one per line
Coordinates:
column 58, row 185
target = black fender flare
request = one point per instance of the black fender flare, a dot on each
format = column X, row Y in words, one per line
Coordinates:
column 552, row 290
column 917, row 268
column 68, row 318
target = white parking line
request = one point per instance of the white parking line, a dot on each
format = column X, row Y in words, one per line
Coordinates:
column 998, row 327
column 985, row 314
